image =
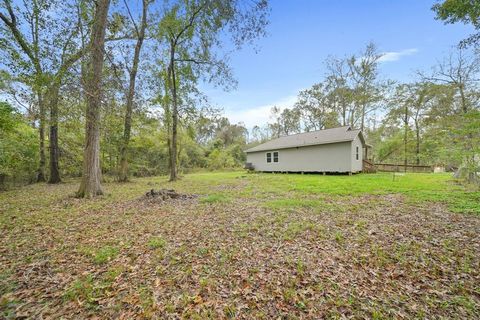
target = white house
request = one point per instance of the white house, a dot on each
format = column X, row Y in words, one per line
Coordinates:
column 339, row 149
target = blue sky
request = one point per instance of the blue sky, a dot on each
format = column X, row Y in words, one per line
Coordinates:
column 302, row 33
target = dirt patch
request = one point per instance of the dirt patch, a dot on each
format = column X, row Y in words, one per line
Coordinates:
column 167, row 194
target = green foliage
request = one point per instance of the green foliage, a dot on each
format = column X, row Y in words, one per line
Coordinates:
column 18, row 147
column 466, row 135
column 219, row 159
column 464, row 11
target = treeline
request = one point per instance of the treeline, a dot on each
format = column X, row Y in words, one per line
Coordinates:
column 433, row 120
column 113, row 87
column 206, row 140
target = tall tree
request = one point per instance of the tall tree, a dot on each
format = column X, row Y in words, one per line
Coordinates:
column 275, row 128
column 140, row 33
column 318, row 107
column 365, row 88
column 465, row 11
column 339, row 92
column 90, row 185
column 192, row 30
column 32, row 58
column 413, row 103
column 461, row 71
column 44, row 52
column 291, row 121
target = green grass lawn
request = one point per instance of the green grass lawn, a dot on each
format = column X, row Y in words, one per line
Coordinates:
column 249, row 246
column 416, row 187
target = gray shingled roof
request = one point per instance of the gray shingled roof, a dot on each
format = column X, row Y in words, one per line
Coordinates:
column 340, row 134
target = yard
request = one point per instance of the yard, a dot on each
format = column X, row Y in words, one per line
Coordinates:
column 249, row 246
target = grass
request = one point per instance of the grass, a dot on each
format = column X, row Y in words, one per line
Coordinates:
column 292, row 203
column 105, row 254
column 157, row 243
column 213, row 198
column 250, row 246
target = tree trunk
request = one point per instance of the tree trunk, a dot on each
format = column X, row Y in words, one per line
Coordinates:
column 463, row 99
column 405, row 138
column 173, row 87
column 91, row 179
column 417, row 146
column 363, row 118
column 41, row 133
column 468, row 147
column 123, row 172
column 53, row 141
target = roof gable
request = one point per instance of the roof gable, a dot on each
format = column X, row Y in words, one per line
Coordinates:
column 333, row 135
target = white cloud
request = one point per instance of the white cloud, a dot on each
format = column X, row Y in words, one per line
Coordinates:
column 258, row 115
column 396, row 55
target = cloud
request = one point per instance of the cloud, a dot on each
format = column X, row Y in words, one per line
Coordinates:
column 258, row 115
column 396, row 55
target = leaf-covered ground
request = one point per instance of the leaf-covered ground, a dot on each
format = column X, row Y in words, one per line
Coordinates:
column 249, row 246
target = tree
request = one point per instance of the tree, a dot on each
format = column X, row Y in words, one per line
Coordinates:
column 413, row 103
column 275, row 128
column 290, row 121
column 90, row 185
column 339, row 93
column 17, row 60
column 42, row 55
column 258, row 135
column 458, row 74
column 318, row 108
column 191, row 30
column 464, row 11
column 366, row 91
column 140, row 33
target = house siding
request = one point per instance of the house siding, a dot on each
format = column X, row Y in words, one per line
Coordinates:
column 333, row 157
column 357, row 165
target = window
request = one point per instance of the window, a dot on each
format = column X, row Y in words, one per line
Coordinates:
column 269, row 157
column 357, row 153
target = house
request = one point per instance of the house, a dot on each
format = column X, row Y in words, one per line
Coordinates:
column 341, row 149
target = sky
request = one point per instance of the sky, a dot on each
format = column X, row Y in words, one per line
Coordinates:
column 303, row 33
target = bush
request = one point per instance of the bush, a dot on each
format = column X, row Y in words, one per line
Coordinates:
column 18, row 148
column 220, row 159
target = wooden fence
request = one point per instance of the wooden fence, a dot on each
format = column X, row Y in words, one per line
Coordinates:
column 389, row 167
column 369, row 166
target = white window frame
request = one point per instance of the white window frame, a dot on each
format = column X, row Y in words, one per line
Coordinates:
column 271, row 157
column 357, row 153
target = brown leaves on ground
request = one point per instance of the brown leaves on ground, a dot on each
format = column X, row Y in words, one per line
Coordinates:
column 375, row 256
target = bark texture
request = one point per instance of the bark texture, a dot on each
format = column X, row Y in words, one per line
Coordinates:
column 41, row 136
column 91, row 179
column 173, row 88
column 123, row 172
column 53, row 138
